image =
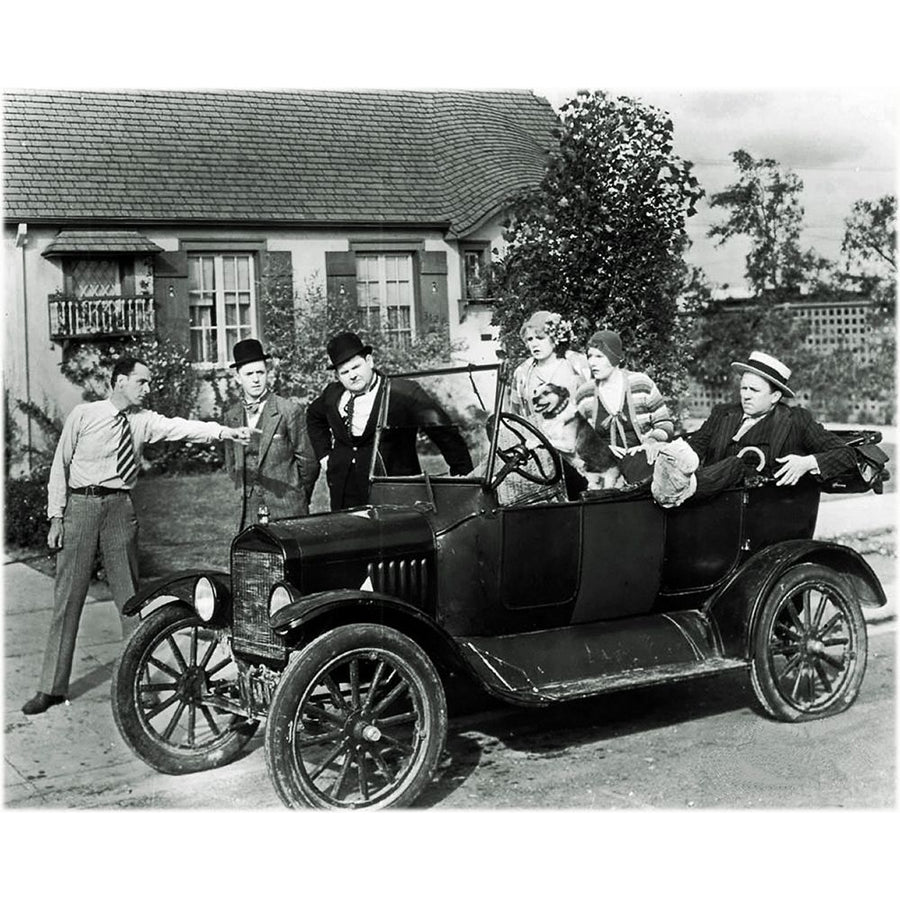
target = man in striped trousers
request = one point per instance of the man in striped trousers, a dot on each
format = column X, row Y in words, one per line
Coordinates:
column 89, row 506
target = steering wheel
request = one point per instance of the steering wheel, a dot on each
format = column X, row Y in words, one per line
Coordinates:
column 517, row 456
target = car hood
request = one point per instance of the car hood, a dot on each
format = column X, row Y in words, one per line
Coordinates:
column 367, row 532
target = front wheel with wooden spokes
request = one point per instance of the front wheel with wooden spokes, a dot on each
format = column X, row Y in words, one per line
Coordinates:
column 809, row 645
column 358, row 720
column 166, row 689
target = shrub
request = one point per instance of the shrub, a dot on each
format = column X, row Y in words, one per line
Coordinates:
column 25, row 510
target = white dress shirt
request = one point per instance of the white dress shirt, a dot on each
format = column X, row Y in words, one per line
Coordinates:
column 87, row 452
column 362, row 407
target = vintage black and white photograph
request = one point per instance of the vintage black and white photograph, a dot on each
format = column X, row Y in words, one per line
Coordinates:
column 449, row 448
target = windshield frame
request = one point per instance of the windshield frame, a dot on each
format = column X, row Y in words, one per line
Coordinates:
column 381, row 423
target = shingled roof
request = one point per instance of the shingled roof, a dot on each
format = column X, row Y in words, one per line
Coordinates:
column 445, row 158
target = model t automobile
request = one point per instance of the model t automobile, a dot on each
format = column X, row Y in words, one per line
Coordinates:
column 341, row 630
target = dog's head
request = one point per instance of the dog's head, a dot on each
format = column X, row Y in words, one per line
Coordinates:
column 549, row 400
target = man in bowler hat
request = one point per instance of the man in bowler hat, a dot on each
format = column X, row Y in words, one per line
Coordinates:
column 276, row 472
column 792, row 442
column 342, row 420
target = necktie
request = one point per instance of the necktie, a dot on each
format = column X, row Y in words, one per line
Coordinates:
column 252, row 407
column 126, row 463
column 348, row 414
column 744, row 427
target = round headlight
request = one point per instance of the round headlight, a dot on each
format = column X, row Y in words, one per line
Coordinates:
column 205, row 598
column 279, row 598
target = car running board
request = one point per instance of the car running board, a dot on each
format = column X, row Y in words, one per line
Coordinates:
column 582, row 660
column 589, row 687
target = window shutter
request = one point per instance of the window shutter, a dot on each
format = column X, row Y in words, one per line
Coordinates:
column 433, row 286
column 340, row 279
column 170, row 290
column 276, row 284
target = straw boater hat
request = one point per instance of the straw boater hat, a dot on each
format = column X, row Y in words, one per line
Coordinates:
column 773, row 370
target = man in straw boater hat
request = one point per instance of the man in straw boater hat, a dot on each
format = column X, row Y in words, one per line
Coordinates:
column 277, row 471
column 342, row 419
column 791, row 442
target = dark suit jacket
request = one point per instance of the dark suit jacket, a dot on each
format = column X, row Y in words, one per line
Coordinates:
column 786, row 429
column 349, row 457
column 286, row 467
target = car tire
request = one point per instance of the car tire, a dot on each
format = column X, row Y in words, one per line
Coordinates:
column 808, row 645
column 358, row 720
column 170, row 660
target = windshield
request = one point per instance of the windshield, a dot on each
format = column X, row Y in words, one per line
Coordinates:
column 437, row 423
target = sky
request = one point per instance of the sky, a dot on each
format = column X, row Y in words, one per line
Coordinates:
column 841, row 143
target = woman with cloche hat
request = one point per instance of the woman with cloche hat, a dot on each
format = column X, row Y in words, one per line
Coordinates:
column 625, row 407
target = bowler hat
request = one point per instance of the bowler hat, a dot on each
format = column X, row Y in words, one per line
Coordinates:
column 247, row 351
column 773, row 370
column 345, row 346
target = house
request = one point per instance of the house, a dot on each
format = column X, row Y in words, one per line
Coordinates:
column 170, row 213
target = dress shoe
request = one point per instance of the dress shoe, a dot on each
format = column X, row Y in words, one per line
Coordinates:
column 41, row 702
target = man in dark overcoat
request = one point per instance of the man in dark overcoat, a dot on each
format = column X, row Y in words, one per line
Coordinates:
column 343, row 418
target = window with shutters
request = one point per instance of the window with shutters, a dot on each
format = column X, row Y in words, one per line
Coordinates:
column 221, row 304
column 385, row 294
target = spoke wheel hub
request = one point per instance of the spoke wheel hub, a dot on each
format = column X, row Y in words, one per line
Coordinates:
column 192, row 685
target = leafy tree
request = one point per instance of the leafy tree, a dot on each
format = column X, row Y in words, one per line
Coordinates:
column 601, row 238
column 764, row 206
column 869, row 257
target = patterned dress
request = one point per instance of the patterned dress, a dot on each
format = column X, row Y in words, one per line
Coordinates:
column 547, row 398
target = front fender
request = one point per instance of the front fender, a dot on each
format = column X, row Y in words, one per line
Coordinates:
column 318, row 612
column 733, row 609
column 174, row 589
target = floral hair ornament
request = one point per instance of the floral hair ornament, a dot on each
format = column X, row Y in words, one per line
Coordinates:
column 560, row 331
column 551, row 324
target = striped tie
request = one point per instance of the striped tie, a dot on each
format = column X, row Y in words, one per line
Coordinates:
column 126, row 464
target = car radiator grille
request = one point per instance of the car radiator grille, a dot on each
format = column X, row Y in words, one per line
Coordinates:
column 403, row 578
column 253, row 576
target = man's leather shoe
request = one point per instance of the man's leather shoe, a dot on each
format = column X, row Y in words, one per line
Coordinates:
column 41, row 702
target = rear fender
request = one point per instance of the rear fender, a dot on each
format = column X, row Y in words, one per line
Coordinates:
column 177, row 589
column 733, row 609
column 314, row 614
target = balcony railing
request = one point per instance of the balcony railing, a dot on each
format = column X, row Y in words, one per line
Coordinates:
column 101, row 317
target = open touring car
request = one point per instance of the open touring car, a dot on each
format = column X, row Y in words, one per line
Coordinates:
column 341, row 630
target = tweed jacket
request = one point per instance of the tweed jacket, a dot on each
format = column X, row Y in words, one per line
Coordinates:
column 644, row 406
column 350, row 457
column 785, row 430
column 283, row 473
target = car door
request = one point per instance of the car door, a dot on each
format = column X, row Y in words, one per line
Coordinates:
column 622, row 555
